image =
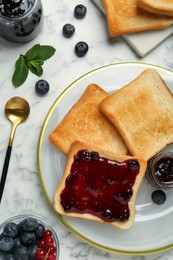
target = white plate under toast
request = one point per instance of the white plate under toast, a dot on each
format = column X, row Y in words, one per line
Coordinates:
column 143, row 42
column 152, row 230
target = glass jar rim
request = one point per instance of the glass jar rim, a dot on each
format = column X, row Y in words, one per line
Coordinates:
column 41, row 220
column 151, row 169
column 25, row 15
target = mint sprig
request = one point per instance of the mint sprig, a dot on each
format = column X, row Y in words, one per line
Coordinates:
column 32, row 61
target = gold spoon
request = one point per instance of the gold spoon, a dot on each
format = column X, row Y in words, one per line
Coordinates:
column 17, row 110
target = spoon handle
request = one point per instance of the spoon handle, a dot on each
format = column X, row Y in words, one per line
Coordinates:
column 5, row 170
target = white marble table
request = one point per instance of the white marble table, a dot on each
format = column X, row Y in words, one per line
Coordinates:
column 23, row 193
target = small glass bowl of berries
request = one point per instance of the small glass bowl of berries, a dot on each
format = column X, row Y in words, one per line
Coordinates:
column 28, row 237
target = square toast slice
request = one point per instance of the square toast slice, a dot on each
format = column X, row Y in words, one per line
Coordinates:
column 108, row 194
column 157, row 6
column 142, row 111
column 126, row 17
column 86, row 122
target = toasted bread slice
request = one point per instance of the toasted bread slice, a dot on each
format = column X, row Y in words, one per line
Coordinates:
column 163, row 7
column 97, row 189
column 85, row 122
column 142, row 111
column 126, row 17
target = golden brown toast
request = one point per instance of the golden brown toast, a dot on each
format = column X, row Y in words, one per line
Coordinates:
column 161, row 7
column 99, row 192
column 126, row 17
column 142, row 111
column 86, row 122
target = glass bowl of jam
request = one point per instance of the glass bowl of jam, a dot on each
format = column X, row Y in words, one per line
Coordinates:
column 28, row 237
column 20, row 20
column 160, row 171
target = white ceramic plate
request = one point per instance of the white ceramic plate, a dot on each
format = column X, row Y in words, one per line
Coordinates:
column 153, row 228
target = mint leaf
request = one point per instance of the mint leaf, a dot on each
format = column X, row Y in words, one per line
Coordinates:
column 42, row 52
column 33, row 61
column 21, row 72
column 36, row 63
column 35, row 69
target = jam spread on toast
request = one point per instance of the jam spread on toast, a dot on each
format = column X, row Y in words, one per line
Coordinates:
column 99, row 186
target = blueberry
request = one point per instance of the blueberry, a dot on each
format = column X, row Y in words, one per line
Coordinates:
column 1, row 256
column 80, row 11
column 39, row 231
column 86, row 156
column 133, row 165
column 158, row 197
column 10, row 230
column 42, row 87
column 81, row 48
column 21, row 253
column 28, row 238
column 164, row 169
column 9, row 257
column 95, row 155
column 29, row 224
column 6, row 244
column 32, row 250
column 68, row 30
column 17, row 242
column 124, row 196
column 107, row 213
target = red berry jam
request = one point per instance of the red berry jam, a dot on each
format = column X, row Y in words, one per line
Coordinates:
column 160, row 171
column 99, row 186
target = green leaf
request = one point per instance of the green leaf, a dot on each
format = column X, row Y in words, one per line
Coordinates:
column 21, row 72
column 40, row 52
column 33, row 61
column 35, row 69
column 36, row 63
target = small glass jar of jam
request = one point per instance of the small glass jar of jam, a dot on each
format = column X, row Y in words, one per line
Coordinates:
column 20, row 20
column 160, row 171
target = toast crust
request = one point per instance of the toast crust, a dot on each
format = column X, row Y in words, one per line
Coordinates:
column 142, row 112
column 86, row 122
column 126, row 17
column 157, row 6
column 77, row 146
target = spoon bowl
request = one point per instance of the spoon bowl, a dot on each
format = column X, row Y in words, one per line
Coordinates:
column 17, row 110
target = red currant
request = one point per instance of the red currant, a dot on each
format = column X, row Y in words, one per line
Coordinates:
column 41, row 243
column 51, row 257
column 40, row 254
column 47, row 233
column 52, row 249
column 49, row 241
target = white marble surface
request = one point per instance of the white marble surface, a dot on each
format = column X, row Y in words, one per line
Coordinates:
column 23, row 193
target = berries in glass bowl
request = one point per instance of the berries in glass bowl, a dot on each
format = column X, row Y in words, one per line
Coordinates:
column 26, row 237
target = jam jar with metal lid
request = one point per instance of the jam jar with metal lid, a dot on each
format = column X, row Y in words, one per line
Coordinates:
column 160, row 171
column 20, row 20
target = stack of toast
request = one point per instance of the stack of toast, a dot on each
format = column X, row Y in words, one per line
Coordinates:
column 157, row 6
column 133, row 123
column 131, row 16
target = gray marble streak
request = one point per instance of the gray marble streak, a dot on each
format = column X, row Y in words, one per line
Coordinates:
column 23, row 193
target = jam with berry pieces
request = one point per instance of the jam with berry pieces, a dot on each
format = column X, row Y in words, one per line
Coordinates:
column 20, row 20
column 100, row 186
column 160, row 171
